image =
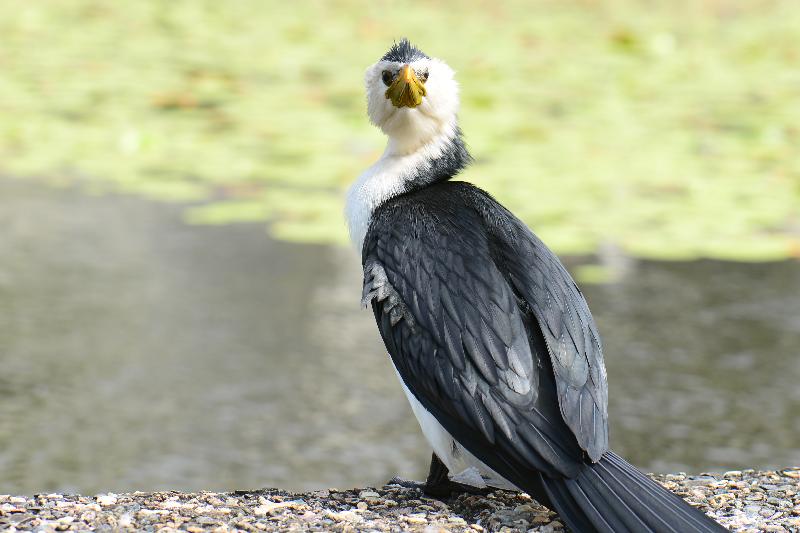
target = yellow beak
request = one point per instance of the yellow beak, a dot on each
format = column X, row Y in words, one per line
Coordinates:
column 407, row 90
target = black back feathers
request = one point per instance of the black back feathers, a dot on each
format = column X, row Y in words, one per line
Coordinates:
column 404, row 52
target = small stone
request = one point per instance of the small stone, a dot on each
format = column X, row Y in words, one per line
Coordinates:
column 417, row 518
column 349, row 516
column 126, row 520
column 520, row 524
column 148, row 513
column 766, row 512
column 273, row 507
column 342, row 516
column 793, row 473
column 10, row 508
column 362, row 506
column 368, row 495
column 698, row 482
column 720, row 499
column 777, row 502
column 106, row 499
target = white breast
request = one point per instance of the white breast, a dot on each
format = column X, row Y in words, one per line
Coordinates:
column 378, row 183
column 387, row 178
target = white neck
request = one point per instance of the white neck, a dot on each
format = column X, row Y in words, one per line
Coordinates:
column 389, row 177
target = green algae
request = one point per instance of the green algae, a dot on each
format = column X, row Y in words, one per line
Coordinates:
column 666, row 129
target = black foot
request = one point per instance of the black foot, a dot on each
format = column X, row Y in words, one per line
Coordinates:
column 439, row 485
column 444, row 491
column 407, row 483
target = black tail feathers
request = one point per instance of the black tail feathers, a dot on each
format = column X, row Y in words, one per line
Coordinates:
column 613, row 496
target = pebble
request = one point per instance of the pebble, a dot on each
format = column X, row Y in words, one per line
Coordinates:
column 126, row 520
column 106, row 499
column 743, row 501
column 342, row 516
column 419, row 518
column 273, row 507
column 793, row 473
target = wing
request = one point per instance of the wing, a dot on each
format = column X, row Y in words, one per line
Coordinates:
column 465, row 343
column 571, row 336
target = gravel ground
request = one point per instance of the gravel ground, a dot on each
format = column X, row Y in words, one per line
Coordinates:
column 742, row 501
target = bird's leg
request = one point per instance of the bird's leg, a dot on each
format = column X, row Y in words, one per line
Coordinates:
column 439, row 485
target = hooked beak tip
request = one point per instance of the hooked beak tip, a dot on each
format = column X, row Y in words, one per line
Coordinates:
column 407, row 90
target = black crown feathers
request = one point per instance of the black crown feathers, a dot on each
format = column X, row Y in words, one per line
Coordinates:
column 404, row 52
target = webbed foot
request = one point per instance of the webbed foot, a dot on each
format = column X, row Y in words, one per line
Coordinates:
column 440, row 486
column 406, row 483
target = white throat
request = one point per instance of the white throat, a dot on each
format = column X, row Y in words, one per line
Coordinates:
column 389, row 177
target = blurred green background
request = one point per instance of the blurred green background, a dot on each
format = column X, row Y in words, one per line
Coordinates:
column 662, row 129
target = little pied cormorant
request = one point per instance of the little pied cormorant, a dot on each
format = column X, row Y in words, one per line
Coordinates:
column 492, row 340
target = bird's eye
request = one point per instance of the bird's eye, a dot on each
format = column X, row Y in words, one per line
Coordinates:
column 424, row 76
column 387, row 77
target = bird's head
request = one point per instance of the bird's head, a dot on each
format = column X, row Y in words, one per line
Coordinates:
column 410, row 96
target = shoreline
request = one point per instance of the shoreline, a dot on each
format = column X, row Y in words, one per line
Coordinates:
column 746, row 501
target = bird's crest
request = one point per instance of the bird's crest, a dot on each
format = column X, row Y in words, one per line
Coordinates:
column 404, row 52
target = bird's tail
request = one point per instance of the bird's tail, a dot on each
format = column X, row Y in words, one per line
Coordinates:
column 613, row 496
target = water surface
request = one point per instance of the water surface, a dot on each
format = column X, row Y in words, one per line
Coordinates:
column 139, row 353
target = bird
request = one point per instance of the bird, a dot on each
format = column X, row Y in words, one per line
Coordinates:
column 492, row 340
